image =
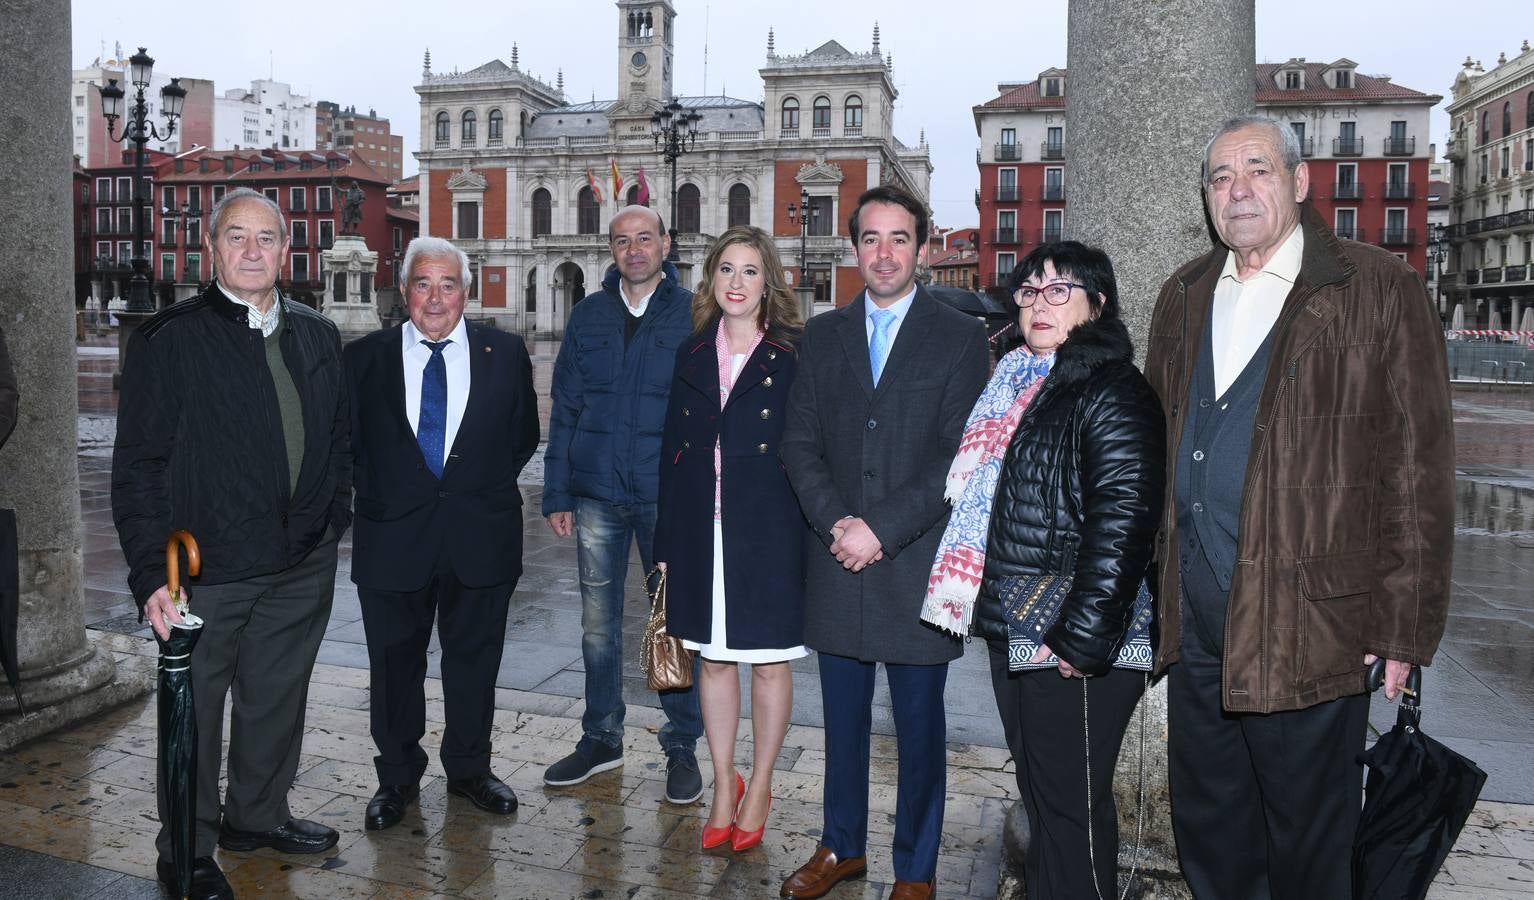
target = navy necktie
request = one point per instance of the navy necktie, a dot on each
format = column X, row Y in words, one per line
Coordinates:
column 431, row 427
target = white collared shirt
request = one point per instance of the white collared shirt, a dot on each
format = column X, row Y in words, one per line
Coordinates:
column 899, row 308
column 456, row 358
column 266, row 322
column 1244, row 311
column 637, row 310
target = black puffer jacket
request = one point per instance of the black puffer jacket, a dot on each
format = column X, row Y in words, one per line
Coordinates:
column 1082, row 480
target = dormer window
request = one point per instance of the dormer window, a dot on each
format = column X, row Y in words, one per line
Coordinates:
column 1292, row 80
column 1342, row 79
column 1052, row 87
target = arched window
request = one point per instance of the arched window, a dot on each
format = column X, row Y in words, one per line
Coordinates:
column 852, row 114
column 1507, row 118
column 469, row 123
column 821, row 119
column 633, row 197
column 688, row 202
column 496, row 127
column 543, row 213
column 444, row 129
column 530, row 304
column 790, row 114
column 587, row 213
column 740, row 205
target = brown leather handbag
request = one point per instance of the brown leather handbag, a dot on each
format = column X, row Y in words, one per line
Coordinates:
column 666, row 663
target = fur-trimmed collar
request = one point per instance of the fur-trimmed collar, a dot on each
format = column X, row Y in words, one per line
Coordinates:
column 1091, row 345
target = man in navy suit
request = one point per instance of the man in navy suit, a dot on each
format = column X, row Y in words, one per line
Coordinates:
column 443, row 419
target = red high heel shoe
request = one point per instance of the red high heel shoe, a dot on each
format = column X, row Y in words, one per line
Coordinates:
column 745, row 840
column 718, row 837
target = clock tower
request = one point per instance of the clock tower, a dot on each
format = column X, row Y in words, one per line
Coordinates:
column 646, row 35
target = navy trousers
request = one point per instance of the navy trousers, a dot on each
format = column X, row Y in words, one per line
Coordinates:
column 916, row 693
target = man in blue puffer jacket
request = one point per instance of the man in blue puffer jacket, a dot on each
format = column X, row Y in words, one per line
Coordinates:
column 601, row 474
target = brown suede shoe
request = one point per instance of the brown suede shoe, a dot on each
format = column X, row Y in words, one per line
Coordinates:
column 823, row 872
column 913, row 890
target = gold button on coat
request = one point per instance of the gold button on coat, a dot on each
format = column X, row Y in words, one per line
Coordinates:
column 767, row 382
column 766, row 414
column 761, row 448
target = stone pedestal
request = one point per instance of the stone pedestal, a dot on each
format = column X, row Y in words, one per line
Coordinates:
column 1149, row 83
column 348, row 269
column 63, row 677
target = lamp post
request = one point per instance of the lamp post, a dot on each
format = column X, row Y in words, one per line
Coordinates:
column 138, row 128
column 675, row 131
column 805, row 214
column 180, row 219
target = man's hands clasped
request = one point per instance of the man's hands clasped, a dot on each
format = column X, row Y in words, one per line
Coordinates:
column 854, row 544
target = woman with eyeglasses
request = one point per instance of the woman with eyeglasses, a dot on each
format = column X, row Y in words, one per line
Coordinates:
column 1060, row 472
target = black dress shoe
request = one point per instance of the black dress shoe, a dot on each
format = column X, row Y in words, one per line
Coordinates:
column 208, row 882
column 388, row 805
column 486, row 792
column 294, row 836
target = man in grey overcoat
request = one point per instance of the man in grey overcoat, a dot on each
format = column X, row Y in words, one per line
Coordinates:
column 875, row 416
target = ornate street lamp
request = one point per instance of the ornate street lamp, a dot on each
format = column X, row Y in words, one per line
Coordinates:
column 138, row 128
column 675, row 131
column 806, row 214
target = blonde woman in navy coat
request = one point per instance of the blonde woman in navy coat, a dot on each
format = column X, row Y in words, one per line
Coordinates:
column 728, row 528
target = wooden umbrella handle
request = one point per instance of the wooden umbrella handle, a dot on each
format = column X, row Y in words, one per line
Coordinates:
column 179, row 539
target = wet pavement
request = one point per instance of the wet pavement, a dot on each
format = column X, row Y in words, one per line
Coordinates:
column 78, row 811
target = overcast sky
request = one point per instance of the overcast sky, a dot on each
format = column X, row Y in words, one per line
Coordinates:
column 948, row 58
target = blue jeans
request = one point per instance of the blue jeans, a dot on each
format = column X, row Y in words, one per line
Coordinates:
column 602, row 534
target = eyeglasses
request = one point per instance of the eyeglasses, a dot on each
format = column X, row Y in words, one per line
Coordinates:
column 1055, row 294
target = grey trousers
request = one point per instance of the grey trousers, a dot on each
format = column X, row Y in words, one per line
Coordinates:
column 259, row 638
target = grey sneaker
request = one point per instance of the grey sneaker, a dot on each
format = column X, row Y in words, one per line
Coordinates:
column 588, row 759
column 684, row 784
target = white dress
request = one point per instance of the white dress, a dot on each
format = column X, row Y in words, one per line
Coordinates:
column 716, row 649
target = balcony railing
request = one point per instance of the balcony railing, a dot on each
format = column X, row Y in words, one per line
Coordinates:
column 1400, row 190
column 789, row 134
column 1491, row 275
column 1308, row 146
column 820, row 131
column 1051, row 151
column 1347, row 190
column 1516, row 219
column 300, row 243
column 1402, row 146
column 1008, row 152
column 1004, row 235
column 1000, row 279
column 1472, row 276
column 1052, row 192
column 1398, row 237
column 1347, row 146
column 1515, row 273
column 1049, row 235
column 852, row 131
column 1350, row 233
column 1006, row 193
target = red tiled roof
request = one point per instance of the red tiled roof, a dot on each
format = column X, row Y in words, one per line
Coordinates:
column 964, row 257
column 1025, row 97
column 351, row 167
column 408, row 215
column 1365, row 87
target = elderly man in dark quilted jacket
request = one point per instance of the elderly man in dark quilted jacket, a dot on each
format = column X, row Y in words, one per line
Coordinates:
column 1309, row 521
column 233, row 425
column 602, row 480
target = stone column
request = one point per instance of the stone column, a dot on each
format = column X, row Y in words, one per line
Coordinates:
column 1148, row 84
column 63, row 677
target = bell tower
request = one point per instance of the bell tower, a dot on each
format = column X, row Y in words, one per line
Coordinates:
column 646, row 36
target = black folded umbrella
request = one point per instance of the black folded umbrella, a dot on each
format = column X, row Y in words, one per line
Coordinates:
column 10, row 601
column 1419, row 794
column 178, row 719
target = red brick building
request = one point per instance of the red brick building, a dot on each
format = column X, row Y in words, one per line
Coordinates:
column 1364, row 139
column 308, row 186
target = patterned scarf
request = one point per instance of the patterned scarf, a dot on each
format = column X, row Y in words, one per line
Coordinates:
column 971, row 488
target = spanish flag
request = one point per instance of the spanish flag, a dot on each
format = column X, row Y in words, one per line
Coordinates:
column 596, row 189
column 617, row 182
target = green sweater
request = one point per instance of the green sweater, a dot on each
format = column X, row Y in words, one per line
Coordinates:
column 289, row 405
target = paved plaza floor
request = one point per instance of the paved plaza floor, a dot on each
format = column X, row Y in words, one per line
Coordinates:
column 77, row 814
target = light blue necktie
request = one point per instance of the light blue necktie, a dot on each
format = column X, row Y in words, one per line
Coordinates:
column 879, row 344
column 431, row 427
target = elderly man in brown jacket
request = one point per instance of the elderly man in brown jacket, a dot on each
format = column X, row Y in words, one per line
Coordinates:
column 1310, row 473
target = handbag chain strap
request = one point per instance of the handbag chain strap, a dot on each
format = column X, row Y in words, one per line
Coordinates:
column 1139, row 803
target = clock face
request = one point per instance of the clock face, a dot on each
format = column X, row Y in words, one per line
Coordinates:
column 638, row 60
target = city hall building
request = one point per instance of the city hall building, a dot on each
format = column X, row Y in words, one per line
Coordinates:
column 524, row 180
